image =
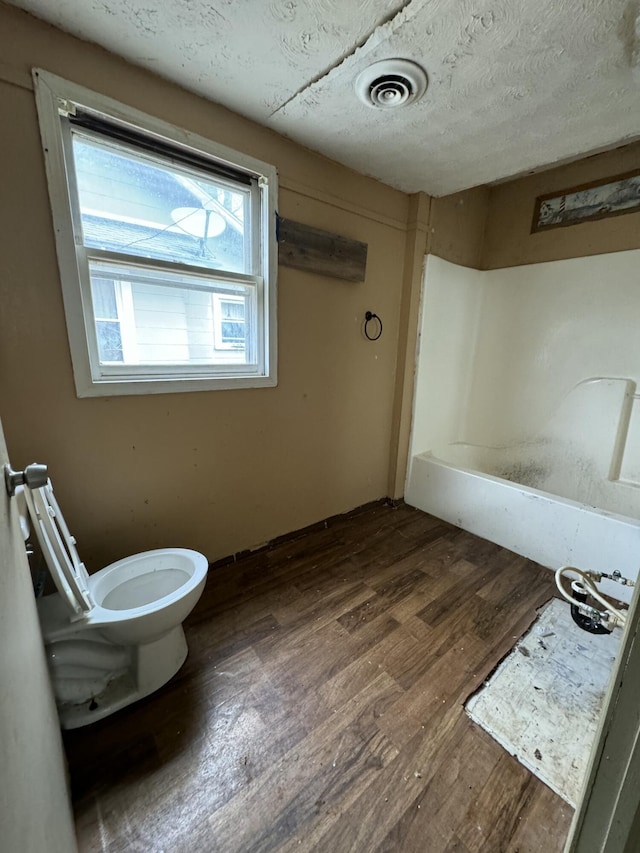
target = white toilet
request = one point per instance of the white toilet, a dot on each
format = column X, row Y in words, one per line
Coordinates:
column 114, row 636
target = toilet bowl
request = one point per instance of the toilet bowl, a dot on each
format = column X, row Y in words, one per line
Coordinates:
column 114, row 636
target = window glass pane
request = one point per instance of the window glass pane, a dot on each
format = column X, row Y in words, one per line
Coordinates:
column 109, row 341
column 232, row 333
column 135, row 204
column 232, row 310
column 232, row 327
column 171, row 319
column 104, row 299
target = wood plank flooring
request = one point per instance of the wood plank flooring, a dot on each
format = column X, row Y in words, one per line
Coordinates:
column 321, row 706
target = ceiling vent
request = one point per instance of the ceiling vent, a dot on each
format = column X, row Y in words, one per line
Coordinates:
column 391, row 83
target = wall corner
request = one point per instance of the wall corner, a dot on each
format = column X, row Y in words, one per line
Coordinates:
column 418, row 221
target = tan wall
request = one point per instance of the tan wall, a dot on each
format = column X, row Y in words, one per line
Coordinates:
column 223, row 471
column 457, row 227
column 217, row 471
column 490, row 227
column 509, row 241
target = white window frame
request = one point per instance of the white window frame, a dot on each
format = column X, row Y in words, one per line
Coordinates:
column 56, row 97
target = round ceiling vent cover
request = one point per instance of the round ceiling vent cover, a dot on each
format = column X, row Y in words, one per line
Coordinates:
column 391, row 83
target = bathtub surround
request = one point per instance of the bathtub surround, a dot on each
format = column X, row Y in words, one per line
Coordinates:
column 517, row 341
column 586, row 451
column 489, row 228
column 535, row 375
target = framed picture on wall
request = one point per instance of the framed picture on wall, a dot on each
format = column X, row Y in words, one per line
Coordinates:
column 595, row 200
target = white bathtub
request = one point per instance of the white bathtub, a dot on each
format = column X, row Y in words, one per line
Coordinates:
column 548, row 529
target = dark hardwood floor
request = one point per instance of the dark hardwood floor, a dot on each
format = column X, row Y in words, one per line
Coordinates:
column 321, row 706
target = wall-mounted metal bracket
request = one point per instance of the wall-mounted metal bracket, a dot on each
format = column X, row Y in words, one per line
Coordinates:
column 34, row 476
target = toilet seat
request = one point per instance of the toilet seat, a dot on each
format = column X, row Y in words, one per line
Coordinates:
column 59, row 549
column 89, row 599
column 116, row 635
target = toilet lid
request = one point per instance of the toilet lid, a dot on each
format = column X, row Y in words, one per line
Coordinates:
column 59, row 548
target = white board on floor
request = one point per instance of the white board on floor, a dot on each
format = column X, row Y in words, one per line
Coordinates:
column 544, row 700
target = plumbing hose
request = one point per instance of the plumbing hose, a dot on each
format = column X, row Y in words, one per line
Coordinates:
column 591, row 589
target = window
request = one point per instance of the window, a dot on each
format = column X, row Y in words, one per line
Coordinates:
column 166, row 247
column 230, row 326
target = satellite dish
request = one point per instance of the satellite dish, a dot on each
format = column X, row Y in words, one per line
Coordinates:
column 199, row 222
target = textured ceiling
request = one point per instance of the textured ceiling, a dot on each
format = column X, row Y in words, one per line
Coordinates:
column 514, row 85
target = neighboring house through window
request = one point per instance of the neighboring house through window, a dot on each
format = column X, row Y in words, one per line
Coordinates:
column 166, row 247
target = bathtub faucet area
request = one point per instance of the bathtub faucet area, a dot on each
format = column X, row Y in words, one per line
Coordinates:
column 583, row 590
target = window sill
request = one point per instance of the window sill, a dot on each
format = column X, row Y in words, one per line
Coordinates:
column 139, row 387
